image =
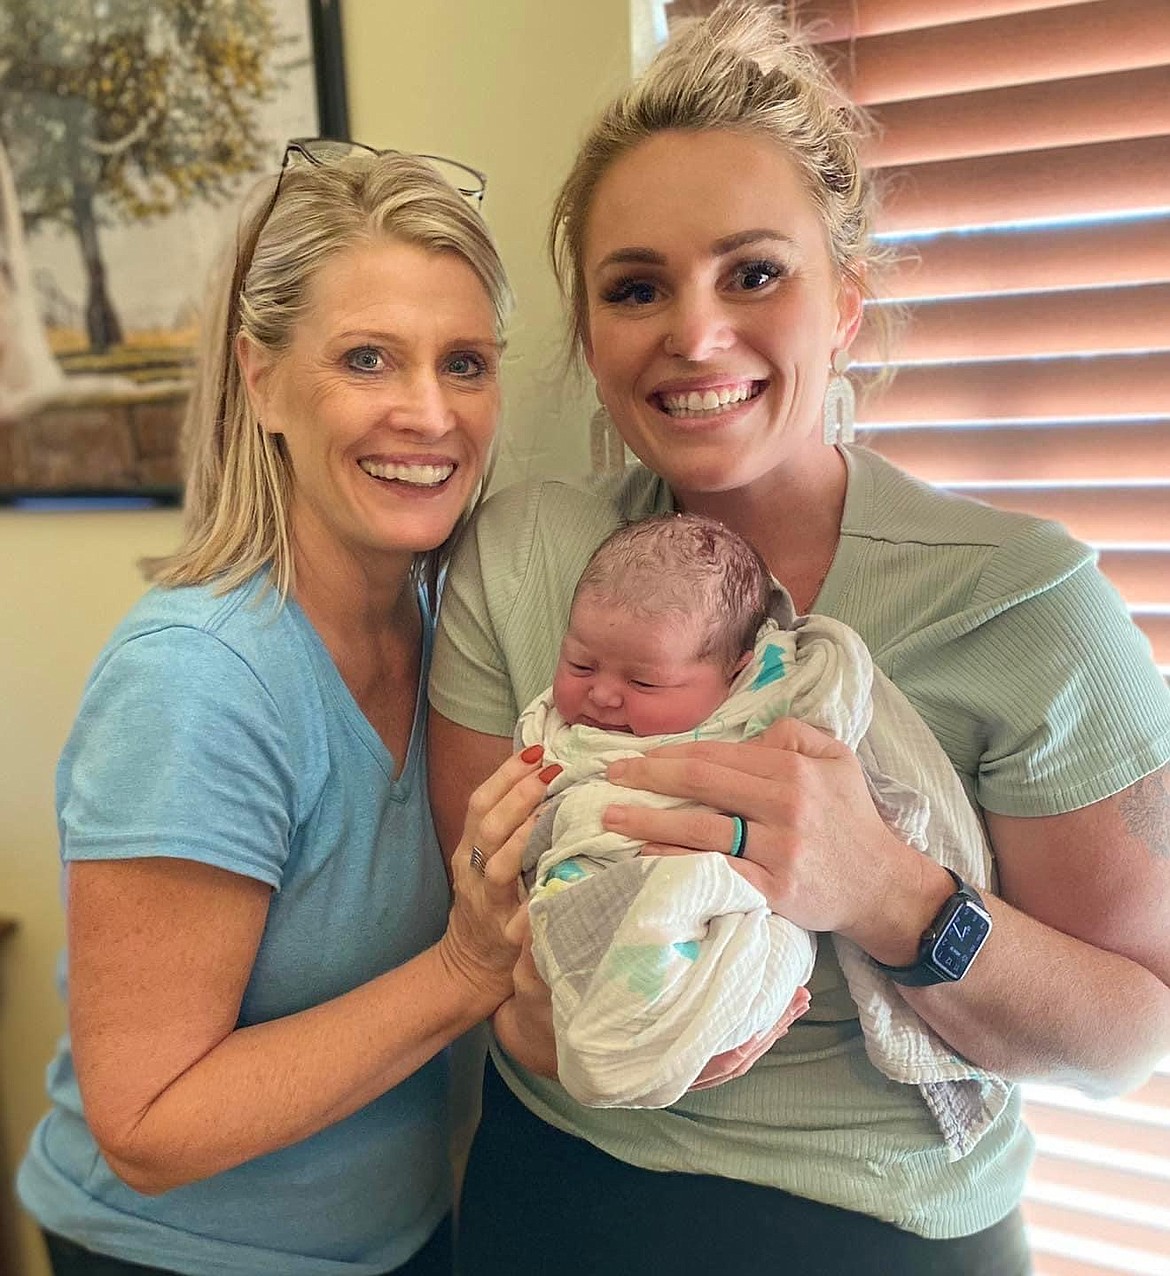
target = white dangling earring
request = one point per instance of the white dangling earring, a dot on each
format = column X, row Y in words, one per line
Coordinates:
column 607, row 448
column 840, row 403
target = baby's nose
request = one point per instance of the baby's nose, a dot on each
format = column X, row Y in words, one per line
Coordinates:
column 605, row 693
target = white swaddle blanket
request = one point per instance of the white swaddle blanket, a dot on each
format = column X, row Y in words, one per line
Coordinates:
column 656, row 964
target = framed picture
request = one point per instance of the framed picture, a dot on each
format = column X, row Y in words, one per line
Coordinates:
column 129, row 134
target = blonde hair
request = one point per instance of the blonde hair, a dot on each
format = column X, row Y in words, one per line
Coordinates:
column 744, row 69
column 239, row 481
column 687, row 565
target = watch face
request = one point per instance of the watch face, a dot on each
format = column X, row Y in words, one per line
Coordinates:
column 961, row 939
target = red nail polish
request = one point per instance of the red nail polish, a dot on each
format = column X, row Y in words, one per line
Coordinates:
column 533, row 753
column 550, row 773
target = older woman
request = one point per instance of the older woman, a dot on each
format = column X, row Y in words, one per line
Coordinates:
column 263, row 973
column 713, row 243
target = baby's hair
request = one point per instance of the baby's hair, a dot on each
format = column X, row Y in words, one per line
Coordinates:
column 690, row 565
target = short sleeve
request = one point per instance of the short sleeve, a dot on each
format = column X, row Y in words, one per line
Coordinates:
column 469, row 679
column 1080, row 711
column 1052, row 684
column 178, row 751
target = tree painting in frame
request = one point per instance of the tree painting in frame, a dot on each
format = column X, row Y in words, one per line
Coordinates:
column 130, row 133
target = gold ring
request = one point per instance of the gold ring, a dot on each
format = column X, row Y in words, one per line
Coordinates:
column 479, row 861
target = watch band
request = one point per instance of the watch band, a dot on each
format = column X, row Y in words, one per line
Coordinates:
column 950, row 943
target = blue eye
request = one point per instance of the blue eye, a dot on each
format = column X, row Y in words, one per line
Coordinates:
column 753, row 275
column 638, row 292
column 467, row 364
column 364, row 359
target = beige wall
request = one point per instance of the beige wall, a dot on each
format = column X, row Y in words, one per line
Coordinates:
column 506, row 85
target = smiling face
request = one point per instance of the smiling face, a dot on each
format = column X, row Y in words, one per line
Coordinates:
column 386, row 399
column 713, row 309
column 638, row 674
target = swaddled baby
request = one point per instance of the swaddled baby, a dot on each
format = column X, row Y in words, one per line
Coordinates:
column 656, row 964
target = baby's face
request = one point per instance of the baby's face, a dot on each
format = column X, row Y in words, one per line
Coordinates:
column 625, row 673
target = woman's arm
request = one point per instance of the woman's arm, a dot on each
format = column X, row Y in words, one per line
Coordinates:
column 1076, row 988
column 1072, row 985
column 160, row 953
column 458, row 761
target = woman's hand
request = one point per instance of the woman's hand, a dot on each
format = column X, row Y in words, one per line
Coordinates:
column 524, row 1023
column 487, row 892
column 734, row 1063
column 815, row 844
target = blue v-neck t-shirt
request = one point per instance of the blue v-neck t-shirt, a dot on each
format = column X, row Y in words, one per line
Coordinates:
column 218, row 729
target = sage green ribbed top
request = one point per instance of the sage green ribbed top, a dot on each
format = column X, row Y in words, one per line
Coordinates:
column 1022, row 660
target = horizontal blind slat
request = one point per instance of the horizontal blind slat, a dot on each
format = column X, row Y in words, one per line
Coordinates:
column 844, row 19
column 1056, row 1254
column 1097, row 1127
column 1101, row 1227
column 1085, row 1174
column 1098, row 179
column 1118, row 385
column 1131, row 513
column 1021, row 325
column 1061, row 453
column 1019, row 48
column 1029, row 258
column 1140, row 576
column 1097, row 108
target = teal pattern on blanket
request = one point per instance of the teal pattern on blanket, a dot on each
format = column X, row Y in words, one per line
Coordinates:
column 568, row 871
column 688, row 948
column 642, row 966
column 772, row 667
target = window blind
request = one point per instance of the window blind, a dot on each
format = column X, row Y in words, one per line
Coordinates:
column 1023, row 150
